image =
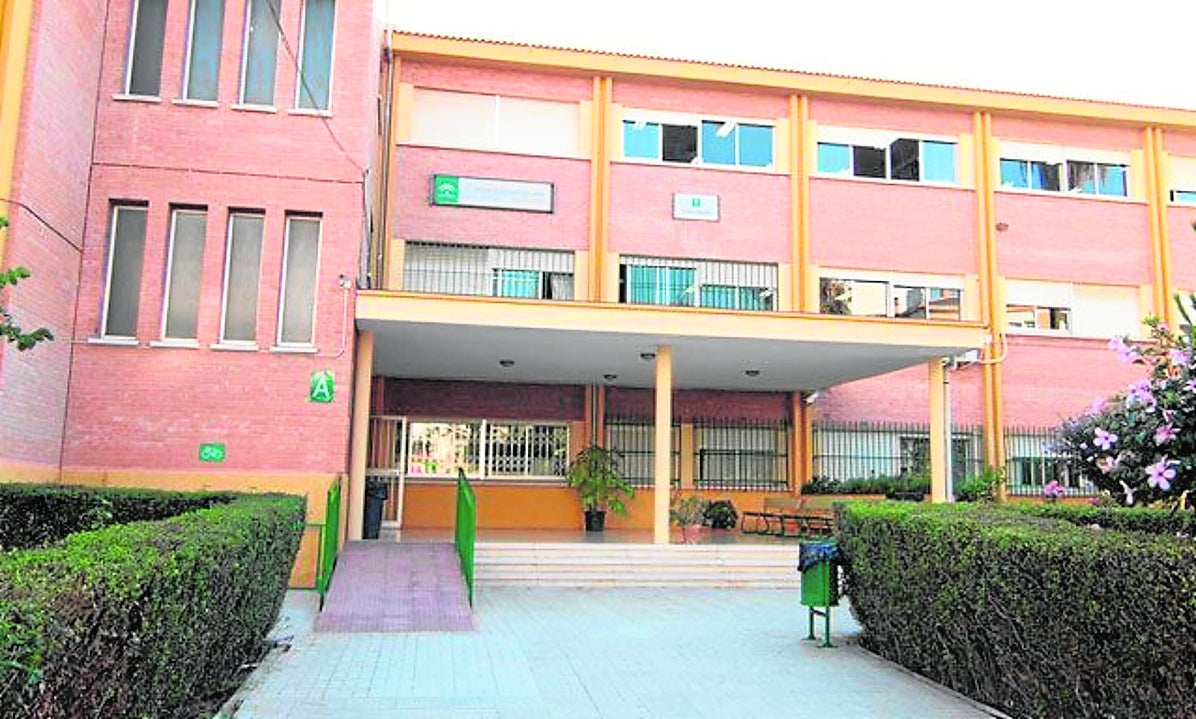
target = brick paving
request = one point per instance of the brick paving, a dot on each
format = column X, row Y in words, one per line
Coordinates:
column 396, row 587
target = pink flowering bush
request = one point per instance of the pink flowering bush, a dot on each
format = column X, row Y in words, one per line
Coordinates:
column 1140, row 445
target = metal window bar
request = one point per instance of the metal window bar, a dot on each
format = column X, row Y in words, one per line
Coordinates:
column 1031, row 462
column 736, row 455
column 698, row 283
column 634, row 441
column 844, row 451
column 456, row 269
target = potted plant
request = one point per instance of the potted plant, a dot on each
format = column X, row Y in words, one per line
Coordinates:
column 594, row 473
column 721, row 514
column 688, row 513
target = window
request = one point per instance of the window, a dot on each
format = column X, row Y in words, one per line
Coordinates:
column 1185, row 196
column 1049, row 168
column 1083, row 310
column 241, row 271
column 1038, row 317
column 488, row 271
column 184, row 265
column 906, row 159
column 260, row 55
column 148, row 31
column 491, row 122
column 122, row 291
column 1030, row 174
column 739, row 456
column 315, row 63
column 882, row 298
column 300, row 263
column 488, row 449
column 700, row 283
column 704, row 142
column 201, row 75
column 648, row 285
column 532, row 284
column 634, row 440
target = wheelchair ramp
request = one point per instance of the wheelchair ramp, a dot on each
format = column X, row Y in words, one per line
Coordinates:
column 393, row 587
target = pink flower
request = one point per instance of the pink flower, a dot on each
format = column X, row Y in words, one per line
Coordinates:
column 1053, row 490
column 1129, row 494
column 1124, row 352
column 1179, row 357
column 1106, row 464
column 1165, row 433
column 1160, row 474
column 1104, row 440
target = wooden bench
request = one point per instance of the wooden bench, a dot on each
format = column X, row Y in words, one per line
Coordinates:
column 789, row 517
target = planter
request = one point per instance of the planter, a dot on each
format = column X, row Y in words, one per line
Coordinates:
column 595, row 520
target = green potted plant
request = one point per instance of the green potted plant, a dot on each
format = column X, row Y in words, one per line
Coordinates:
column 688, row 513
column 600, row 486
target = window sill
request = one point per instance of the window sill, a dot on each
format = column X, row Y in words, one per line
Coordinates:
column 310, row 112
column 887, row 181
column 748, row 169
column 268, row 109
column 1068, row 195
column 1037, row 332
column 236, row 346
column 125, row 97
column 294, row 349
column 114, row 341
column 175, row 344
column 187, row 102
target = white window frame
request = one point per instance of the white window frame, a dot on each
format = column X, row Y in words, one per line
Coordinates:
column 116, row 208
column 187, row 57
column 282, row 285
column 1177, row 201
column 891, row 282
column 1036, row 330
column 882, row 140
column 331, row 67
column 174, row 214
column 228, row 257
column 483, row 449
column 245, row 62
column 126, row 90
column 695, row 121
column 1063, row 156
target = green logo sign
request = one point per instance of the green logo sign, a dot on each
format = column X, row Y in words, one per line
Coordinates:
column 446, row 190
column 323, row 387
column 211, row 452
column 695, row 202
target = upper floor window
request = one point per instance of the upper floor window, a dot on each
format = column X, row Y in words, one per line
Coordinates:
column 1181, row 175
column 913, row 298
column 1056, row 169
column 698, row 283
column 315, row 62
column 147, row 33
column 259, row 61
column 201, row 73
column 494, row 271
column 498, row 123
column 699, row 141
column 1076, row 309
column 122, row 281
column 883, row 156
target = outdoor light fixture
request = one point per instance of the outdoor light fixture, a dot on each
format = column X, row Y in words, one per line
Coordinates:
column 752, row 372
column 344, row 282
column 647, row 356
column 1002, row 226
column 507, row 362
column 610, row 377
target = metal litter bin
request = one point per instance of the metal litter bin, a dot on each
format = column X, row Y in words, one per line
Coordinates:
column 818, row 561
column 376, row 491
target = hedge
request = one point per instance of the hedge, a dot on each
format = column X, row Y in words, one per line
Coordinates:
column 1036, row 616
column 867, row 485
column 1140, row 519
column 136, row 620
column 35, row 514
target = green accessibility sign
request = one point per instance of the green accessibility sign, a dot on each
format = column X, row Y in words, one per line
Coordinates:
column 212, row 452
column 323, row 387
column 446, row 190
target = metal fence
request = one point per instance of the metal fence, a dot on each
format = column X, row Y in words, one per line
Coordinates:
column 329, row 539
column 698, row 283
column 634, row 439
column 844, row 451
column 456, row 269
column 741, row 455
column 1031, row 463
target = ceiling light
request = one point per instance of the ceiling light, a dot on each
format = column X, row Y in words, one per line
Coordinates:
column 507, row 362
column 647, row 356
column 610, row 377
column 752, row 372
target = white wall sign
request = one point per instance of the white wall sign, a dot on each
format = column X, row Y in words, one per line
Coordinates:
column 695, row 207
column 455, row 191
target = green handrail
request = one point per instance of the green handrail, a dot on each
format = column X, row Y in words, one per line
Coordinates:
column 329, row 537
column 466, row 529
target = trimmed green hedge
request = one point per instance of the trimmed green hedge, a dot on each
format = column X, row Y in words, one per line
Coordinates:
column 35, row 514
column 867, row 485
column 135, row 620
column 1037, row 616
column 1139, row 519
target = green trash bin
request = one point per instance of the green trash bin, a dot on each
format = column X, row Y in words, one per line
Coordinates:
column 818, row 562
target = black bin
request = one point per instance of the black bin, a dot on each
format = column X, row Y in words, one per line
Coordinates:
column 376, row 492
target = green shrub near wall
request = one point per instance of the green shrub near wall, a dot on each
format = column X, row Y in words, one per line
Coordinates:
column 137, row 619
column 34, row 514
column 1140, row 519
column 1037, row 616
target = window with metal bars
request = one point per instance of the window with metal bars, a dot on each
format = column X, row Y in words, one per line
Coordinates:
column 489, row 271
column 485, row 449
column 742, row 456
column 698, row 283
column 633, row 439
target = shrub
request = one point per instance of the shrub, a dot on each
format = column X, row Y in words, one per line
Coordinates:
column 721, row 514
column 137, row 619
column 32, row 514
column 1139, row 519
column 1033, row 615
column 983, row 487
column 863, row 485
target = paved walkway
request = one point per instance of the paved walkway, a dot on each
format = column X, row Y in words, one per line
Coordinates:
column 396, row 587
column 585, row 653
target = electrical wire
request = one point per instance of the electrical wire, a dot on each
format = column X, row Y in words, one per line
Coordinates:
column 78, row 246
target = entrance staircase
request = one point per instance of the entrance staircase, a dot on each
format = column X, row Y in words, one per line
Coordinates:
column 754, row 566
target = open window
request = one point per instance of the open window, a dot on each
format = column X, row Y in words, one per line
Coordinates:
column 878, row 155
column 706, row 142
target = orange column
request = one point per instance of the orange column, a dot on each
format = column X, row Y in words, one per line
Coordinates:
column 662, row 470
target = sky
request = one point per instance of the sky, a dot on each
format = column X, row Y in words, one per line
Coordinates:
column 1141, row 52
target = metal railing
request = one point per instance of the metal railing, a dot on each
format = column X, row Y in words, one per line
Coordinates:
column 466, row 528
column 844, row 451
column 634, row 441
column 329, row 538
column 1031, row 463
column 739, row 455
column 456, row 269
column 698, row 283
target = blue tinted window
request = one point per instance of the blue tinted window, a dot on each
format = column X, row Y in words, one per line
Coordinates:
column 720, row 296
column 1183, row 196
column 316, row 62
column 1044, row 176
column 660, row 285
column 938, row 161
column 718, row 143
column 755, row 145
column 203, row 64
column 261, row 52
column 641, row 140
column 516, row 283
column 1112, row 180
column 834, row 159
column 1015, row 173
column 1081, row 177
